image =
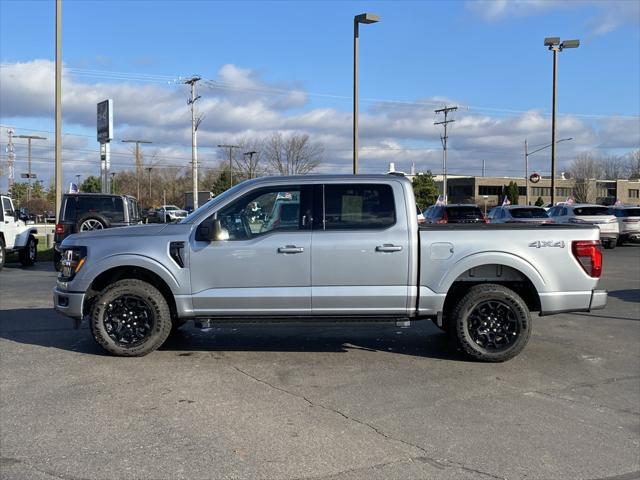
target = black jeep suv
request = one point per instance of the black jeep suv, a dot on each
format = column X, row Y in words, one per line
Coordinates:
column 81, row 212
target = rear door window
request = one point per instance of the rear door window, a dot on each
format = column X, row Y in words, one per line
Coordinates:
column 591, row 211
column 356, row 207
column 464, row 213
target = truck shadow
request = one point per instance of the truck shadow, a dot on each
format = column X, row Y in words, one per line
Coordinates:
column 629, row 295
column 43, row 327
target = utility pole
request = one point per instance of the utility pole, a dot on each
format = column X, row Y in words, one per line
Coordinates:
column 194, row 128
column 526, row 172
column 138, row 163
column 58, row 109
column 483, row 168
column 113, row 182
column 149, row 171
column 78, row 180
column 29, row 174
column 11, row 157
column 250, row 169
column 443, row 139
column 230, row 147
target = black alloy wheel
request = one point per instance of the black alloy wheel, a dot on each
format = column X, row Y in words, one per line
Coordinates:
column 493, row 325
column 129, row 320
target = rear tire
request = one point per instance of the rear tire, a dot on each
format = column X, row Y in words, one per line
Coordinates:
column 620, row 241
column 610, row 245
column 492, row 323
column 130, row 318
column 29, row 254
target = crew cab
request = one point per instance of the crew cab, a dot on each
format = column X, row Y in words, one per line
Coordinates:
column 328, row 248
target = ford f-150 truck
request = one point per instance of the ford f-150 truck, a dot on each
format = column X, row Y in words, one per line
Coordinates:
column 329, row 248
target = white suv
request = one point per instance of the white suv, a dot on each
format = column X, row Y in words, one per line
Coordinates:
column 582, row 213
column 628, row 223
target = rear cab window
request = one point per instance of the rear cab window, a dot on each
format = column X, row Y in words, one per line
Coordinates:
column 591, row 211
column 529, row 213
column 463, row 212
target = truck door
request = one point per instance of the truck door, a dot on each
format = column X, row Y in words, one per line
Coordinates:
column 10, row 224
column 264, row 267
column 360, row 250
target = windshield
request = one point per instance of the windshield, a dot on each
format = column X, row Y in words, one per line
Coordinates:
column 591, row 211
column 529, row 213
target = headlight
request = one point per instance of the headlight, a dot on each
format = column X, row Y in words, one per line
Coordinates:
column 73, row 258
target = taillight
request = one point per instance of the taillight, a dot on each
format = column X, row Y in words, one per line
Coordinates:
column 59, row 229
column 589, row 255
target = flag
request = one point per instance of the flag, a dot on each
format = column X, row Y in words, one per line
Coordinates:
column 569, row 201
column 618, row 203
column 506, row 201
column 440, row 200
column 73, row 188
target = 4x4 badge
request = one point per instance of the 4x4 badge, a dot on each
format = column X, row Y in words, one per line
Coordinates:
column 547, row 243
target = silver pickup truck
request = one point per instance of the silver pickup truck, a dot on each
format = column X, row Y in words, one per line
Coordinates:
column 328, row 248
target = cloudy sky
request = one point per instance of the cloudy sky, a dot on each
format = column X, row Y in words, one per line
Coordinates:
column 287, row 66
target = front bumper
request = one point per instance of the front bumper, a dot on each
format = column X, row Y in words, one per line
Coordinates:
column 68, row 303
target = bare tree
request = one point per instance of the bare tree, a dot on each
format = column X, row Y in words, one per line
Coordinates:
column 294, row 155
column 613, row 167
column 633, row 165
column 583, row 169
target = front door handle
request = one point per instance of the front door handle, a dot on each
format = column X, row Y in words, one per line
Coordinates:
column 290, row 249
column 387, row 247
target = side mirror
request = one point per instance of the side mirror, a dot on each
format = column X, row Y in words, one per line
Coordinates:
column 210, row 231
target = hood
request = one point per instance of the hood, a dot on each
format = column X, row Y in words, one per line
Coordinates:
column 119, row 232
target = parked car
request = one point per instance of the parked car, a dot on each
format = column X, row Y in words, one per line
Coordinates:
column 455, row 213
column 518, row 214
column 354, row 253
column 587, row 214
column 166, row 214
column 15, row 235
column 84, row 212
column 628, row 223
column 49, row 217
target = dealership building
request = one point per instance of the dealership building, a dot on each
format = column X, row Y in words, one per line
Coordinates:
column 490, row 190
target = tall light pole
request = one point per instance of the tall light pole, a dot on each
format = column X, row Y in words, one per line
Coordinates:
column 555, row 45
column 78, row 180
column 58, row 110
column 365, row 18
column 113, row 182
column 29, row 174
column 526, row 162
column 138, row 163
column 230, row 147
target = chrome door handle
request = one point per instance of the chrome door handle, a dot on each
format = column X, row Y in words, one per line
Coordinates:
column 388, row 248
column 290, row 249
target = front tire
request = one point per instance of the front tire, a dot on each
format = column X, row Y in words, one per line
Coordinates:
column 2, row 253
column 492, row 323
column 130, row 318
column 29, row 253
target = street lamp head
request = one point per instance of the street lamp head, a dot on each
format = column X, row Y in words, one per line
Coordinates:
column 551, row 41
column 569, row 44
column 366, row 18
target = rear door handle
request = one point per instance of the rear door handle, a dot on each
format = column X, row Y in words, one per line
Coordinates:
column 290, row 249
column 388, row 248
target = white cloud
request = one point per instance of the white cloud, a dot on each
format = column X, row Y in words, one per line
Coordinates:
column 610, row 15
column 249, row 107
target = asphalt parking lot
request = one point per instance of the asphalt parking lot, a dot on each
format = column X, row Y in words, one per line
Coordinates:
column 317, row 402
